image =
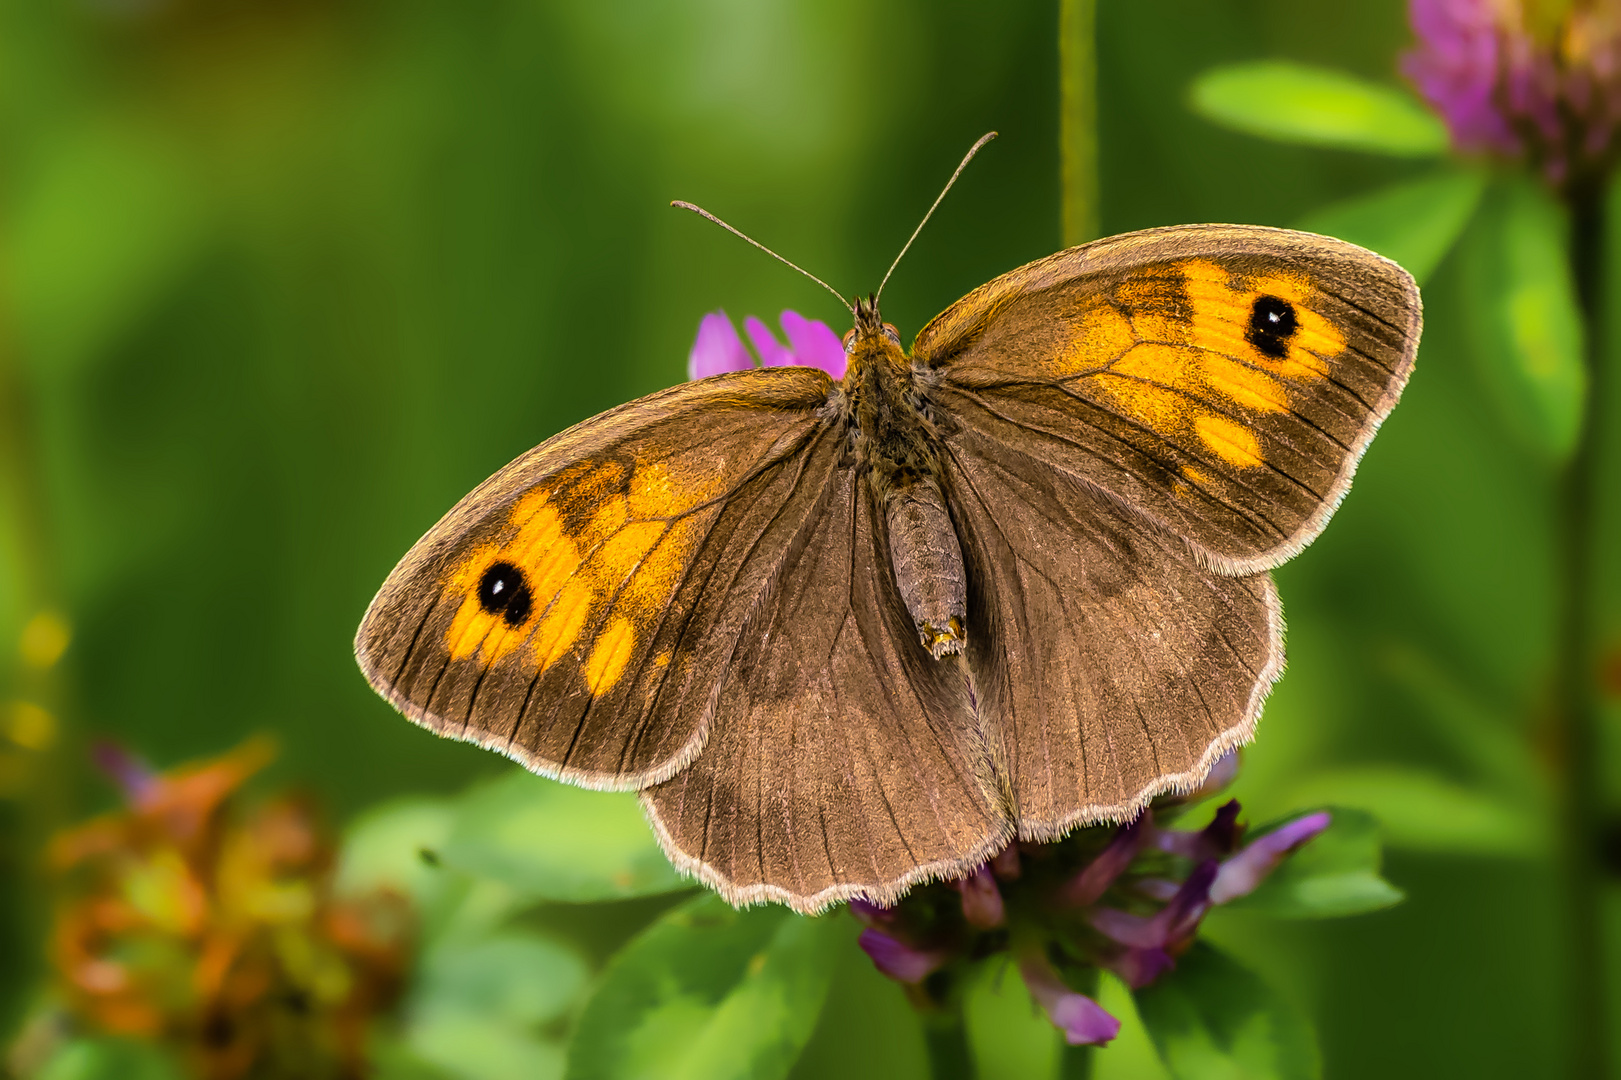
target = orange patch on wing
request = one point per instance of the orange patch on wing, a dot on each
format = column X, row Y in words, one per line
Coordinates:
column 1233, row 443
column 561, row 625
column 609, row 655
column 1103, row 335
column 1149, row 384
column 620, row 562
column 1244, row 385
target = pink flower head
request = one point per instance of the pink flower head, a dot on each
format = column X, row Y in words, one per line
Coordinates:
column 719, row 349
column 1507, row 84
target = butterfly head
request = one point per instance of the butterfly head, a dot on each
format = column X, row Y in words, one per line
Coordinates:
column 872, row 340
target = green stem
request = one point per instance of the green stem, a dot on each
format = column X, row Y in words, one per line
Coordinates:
column 1078, row 117
column 1075, row 1062
column 947, row 1040
column 1575, row 691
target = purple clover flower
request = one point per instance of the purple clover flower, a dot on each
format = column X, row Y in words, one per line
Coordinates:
column 1552, row 93
column 1128, row 899
column 719, row 349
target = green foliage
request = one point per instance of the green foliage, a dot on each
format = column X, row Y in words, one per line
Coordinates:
column 1315, row 106
column 1424, row 811
column 1336, row 874
column 1526, row 330
column 1414, row 223
column 550, row 841
column 708, row 993
column 1213, row 1019
column 108, row 1059
column 477, row 1006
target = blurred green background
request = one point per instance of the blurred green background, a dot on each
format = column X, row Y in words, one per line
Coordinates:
column 280, row 281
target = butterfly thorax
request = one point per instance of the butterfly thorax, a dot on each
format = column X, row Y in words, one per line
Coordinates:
column 897, row 451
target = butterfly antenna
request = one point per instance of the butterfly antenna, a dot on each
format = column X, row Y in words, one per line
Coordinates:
column 701, row 212
column 972, row 150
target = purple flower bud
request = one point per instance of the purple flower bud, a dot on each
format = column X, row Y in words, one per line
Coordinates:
column 814, row 343
column 1240, row 874
column 126, row 770
column 981, row 899
column 773, row 353
column 870, row 913
column 717, row 348
column 1218, row 838
column 1173, row 925
column 1139, row 967
column 898, row 960
column 1082, row 1020
column 1005, row 863
column 1094, row 880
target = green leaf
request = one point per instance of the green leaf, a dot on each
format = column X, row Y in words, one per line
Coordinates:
column 1425, row 812
column 1213, row 1019
column 1413, row 223
column 551, row 841
column 107, row 1059
column 1296, row 103
column 1336, row 873
column 1526, row 328
column 470, row 1047
column 476, row 1004
column 515, row 978
column 708, row 993
column 395, row 846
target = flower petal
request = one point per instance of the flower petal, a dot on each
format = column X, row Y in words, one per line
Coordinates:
column 814, row 343
column 898, row 960
column 773, row 353
column 1082, row 1020
column 1218, row 838
column 1240, row 874
column 981, row 899
column 1094, row 880
column 717, row 348
column 1139, row 967
column 1172, row 925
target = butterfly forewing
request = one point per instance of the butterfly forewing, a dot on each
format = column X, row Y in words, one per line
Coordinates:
column 844, row 760
column 1221, row 380
column 577, row 611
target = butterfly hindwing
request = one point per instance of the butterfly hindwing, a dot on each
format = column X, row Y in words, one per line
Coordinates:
column 577, row 610
column 1114, row 665
column 844, row 760
column 1221, row 380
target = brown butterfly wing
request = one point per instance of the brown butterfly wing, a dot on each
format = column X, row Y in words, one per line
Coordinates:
column 628, row 551
column 1222, row 380
column 1114, row 663
column 844, row 760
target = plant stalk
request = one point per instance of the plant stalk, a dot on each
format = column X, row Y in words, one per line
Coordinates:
column 1575, row 698
column 946, row 1038
column 1078, row 118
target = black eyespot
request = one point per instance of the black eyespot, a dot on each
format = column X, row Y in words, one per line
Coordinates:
column 1272, row 324
column 503, row 591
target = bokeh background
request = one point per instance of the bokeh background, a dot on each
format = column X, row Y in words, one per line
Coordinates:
column 280, row 281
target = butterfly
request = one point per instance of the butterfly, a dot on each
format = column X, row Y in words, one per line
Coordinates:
column 845, row 637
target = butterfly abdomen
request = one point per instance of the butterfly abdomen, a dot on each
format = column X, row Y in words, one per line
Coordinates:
column 927, row 559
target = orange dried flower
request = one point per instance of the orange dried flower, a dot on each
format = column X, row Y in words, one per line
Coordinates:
column 216, row 932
